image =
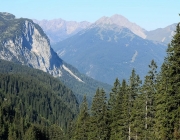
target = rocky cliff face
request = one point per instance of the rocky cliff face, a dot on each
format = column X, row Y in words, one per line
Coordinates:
column 23, row 41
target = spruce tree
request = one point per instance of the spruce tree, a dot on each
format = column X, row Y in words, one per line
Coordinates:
column 113, row 108
column 99, row 124
column 138, row 121
column 120, row 114
column 113, row 94
column 168, row 97
column 133, row 91
column 148, row 92
column 82, row 125
column 125, row 111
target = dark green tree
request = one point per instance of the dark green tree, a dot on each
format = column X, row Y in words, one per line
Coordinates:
column 168, row 97
column 138, row 120
column 113, row 94
column 148, row 92
column 133, row 91
column 99, row 124
column 119, row 124
column 55, row 133
column 11, row 133
column 82, row 124
column 113, row 104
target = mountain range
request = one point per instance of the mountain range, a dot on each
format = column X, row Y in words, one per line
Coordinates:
column 24, row 42
column 40, row 92
column 111, row 48
column 59, row 29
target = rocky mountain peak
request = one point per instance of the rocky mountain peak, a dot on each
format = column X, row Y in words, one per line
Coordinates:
column 120, row 21
column 115, row 19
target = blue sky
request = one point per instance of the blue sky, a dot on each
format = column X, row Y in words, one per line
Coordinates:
column 149, row 14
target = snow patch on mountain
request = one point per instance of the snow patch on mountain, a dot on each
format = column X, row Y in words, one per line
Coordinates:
column 134, row 56
column 163, row 39
column 72, row 74
column 61, row 53
column 100, row 34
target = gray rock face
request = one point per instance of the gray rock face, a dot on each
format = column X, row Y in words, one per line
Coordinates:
column 59, row 29
column 26, row 43
column 121, row 21
column 31, row 48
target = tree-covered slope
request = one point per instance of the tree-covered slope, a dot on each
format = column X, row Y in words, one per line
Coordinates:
column 87, row 87
column 37, row 96
column 46, row 79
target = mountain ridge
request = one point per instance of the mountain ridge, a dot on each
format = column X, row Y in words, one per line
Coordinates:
column 163, row 35
column 24, row 42
column 105, row 53
column 59, row 29
column 121, row 21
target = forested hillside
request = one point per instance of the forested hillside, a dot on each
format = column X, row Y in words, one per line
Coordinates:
column 136, row 110
column 42, row 77
column 33, row 104
column 87, row 87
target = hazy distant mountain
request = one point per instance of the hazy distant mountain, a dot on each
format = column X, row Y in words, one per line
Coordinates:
column 22, row 41
column 59, row 29
column 121, row 21
column 110, row 48
column 163, row 35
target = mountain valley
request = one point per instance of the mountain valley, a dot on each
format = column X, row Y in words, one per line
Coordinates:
column 109, row 49
column 44, row 97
